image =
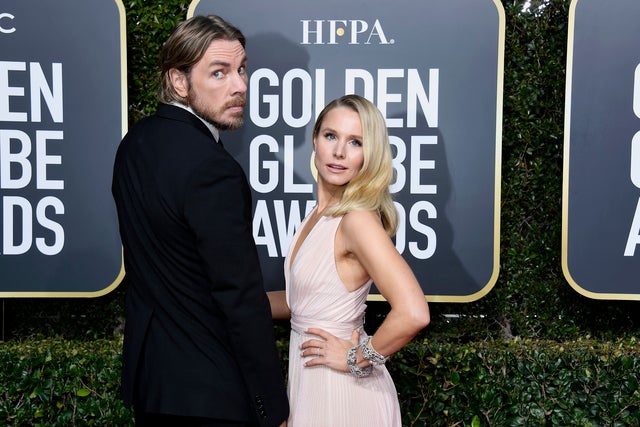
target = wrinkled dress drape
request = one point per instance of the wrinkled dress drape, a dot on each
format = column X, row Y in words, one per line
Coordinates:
column 320, row 396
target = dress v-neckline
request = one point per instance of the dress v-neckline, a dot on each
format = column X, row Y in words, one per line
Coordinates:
column 297, row 243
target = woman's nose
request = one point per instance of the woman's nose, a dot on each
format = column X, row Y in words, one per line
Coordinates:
column 338, row 151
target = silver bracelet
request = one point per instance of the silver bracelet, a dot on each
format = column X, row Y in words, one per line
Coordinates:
column 370, row 353
column 352, row 363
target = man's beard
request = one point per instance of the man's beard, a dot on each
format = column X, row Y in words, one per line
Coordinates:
column 209, row 114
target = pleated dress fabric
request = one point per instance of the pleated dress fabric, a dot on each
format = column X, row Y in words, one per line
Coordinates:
column 320, row 396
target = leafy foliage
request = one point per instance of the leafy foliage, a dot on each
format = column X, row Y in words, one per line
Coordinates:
column 519, row 383
column 148, row 26
column 503, row 383
column 61, row 383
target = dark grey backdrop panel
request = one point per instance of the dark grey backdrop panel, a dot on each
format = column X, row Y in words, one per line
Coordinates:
column 59, row 233
column 434, row 68
column 600, row 197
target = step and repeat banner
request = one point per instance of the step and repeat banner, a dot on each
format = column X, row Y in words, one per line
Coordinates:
column 434, row 69
column 62, row 114
column 601, row 201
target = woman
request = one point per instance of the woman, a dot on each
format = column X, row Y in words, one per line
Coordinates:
column 337, row 375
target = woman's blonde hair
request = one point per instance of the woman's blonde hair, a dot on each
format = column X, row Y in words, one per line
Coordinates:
column 369, row 189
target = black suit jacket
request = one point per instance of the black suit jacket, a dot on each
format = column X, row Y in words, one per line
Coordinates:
column 198, row 338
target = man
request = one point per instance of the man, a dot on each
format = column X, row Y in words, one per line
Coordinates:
column 199, row 346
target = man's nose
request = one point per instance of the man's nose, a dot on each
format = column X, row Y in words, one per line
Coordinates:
column 239, row 83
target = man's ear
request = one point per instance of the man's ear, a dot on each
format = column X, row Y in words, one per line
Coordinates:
column 179, row 82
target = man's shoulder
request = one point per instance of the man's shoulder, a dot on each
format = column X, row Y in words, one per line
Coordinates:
column 170, row 122
column 166, row 115
column 171, row 112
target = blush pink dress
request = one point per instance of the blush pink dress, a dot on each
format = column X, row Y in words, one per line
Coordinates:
column 320, row 396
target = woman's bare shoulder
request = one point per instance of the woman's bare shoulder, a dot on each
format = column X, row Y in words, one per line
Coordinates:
column 357, row 222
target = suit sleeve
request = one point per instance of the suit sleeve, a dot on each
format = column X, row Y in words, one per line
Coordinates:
column 218, row 209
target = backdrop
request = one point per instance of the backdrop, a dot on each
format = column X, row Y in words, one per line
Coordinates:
column 434, row 69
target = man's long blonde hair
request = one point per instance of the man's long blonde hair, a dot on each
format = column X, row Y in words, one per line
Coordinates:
column 369, row 189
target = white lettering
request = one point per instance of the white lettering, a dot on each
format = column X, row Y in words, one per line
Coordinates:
column 427, row 231
column 357, row 27
column 270, row 104
column 636, row 91
column 401, row 233
column 18, row 159
column 9, row 206
column 40, row 89
column 428, row 104
column 377, row 31
column 51, row 95
column 634, row 233
column 43, row 159
column 416, row 225
column 633, row 239
column 58, row 231
column 265, row 107
column 306, row 31
column 270, row 101
column 287, row 93
column 17, row 216
column 289, row 185
column 339, row 27
column 418, row 164
column 384, row 97
column 335, row 30
column 353, row 74
column 415, row 93
column 270, row 166
column 635, row 160
column 261, row 221
column 320, row 90
column 7, row 92
column 6, row 30
column 400, row 171
column 286, row 225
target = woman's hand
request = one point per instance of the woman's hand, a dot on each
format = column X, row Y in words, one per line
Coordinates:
column 329, row 350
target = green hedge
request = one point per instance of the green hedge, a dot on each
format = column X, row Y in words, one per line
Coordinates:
column 519, row 383
column 505, row 383
column 61, row 383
